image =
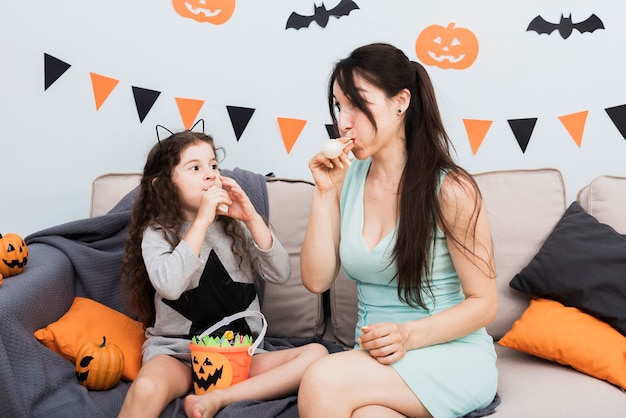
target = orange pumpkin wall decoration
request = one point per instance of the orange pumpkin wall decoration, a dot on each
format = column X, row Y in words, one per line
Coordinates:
column 99, row 366
column 447, row 47
column 13, row 255
column 209, row 11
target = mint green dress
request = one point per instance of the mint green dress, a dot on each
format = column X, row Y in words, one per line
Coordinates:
column 450, row 379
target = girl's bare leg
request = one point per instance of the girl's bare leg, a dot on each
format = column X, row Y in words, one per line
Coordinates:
column 353, row 384
column 273, row 375
column 160, row 380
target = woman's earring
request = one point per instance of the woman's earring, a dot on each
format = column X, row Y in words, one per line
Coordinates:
column 399, row 110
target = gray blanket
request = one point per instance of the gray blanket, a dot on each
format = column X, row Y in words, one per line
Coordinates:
column 95, row 247
column 37, row 382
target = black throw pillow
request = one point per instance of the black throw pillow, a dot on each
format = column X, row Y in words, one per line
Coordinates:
column 581, row 264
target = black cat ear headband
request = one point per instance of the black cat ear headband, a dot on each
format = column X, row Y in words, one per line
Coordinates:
column 158, row 159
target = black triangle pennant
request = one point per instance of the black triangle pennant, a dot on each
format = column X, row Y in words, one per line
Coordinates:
column 144, row 100
column 618, row 116
column 239, row 118
column 330, row 128
column 522, row 129
column 53, row 69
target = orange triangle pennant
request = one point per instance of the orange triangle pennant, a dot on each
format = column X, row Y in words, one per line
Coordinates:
column 476, row 132
column 290, row 129
column 102, row 87
column 189, row 109
column 575, row 125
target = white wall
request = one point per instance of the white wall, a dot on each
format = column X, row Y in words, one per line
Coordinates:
column 54, row 142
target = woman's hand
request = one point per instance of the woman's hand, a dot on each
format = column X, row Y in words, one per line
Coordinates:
column 386, row 342
column 328, row 173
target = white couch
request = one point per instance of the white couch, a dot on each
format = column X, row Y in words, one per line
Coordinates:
column 524, row 206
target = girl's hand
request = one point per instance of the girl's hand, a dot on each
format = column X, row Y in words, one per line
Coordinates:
column 238, row 204
column 328, row 173
column 211, row 202
column 385, row 342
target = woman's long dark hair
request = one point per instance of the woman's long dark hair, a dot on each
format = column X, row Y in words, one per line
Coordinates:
column 428, row 150
column 157, row 205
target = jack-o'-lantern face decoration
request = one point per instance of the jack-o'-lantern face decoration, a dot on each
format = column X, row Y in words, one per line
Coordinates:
column 99, row 366
column 13, row 255
column 210, row 371
column 209, row 11
column 447, row 47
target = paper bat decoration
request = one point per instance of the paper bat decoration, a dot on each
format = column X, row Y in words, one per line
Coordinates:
column 565, row 25
column 321, row 15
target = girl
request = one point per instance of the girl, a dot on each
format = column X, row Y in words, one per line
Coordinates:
column 195, row 242
column 408, row 225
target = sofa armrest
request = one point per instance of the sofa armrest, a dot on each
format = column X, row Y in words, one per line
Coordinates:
column 605, row 199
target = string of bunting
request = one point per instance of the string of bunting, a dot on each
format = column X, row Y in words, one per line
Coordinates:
column 291, row 128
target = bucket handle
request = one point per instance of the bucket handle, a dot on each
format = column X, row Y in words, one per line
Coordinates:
column 228, row 319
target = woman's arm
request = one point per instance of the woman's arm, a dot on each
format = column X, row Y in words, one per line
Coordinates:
column 319, row 256
column 472, row 256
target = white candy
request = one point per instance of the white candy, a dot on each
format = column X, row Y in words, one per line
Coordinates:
column 332, row 148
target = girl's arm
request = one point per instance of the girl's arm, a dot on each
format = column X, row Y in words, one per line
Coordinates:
column 475, row 267
column 170, row 271
column 269, row 257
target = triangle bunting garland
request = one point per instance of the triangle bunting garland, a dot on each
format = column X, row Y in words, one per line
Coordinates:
column 239, row 118
column 522, row 129
column 332, row 133
column 476, row 132
column 290, row 129
column 618, row 117
column 144, row 100
column 575, row 125
column 189, row 109
column 102, row 87
column 53, row 69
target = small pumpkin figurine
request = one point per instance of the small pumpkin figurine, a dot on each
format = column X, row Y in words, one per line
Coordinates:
column 13, row 255
column 99, row 366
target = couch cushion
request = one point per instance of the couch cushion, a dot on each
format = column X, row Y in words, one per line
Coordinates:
column 605, row 199
column 533, row 387
column 108, row 189
column 291, row 310
column 567, row 335
column 581, row 264
column 523, row 207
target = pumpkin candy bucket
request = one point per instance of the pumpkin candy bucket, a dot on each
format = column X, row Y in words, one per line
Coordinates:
column 218, row 366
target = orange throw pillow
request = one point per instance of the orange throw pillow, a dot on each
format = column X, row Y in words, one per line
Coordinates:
column 88, row 320
column 569, row 336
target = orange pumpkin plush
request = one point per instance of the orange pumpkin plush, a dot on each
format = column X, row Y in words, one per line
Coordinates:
column 13, row 255
column 99, row 366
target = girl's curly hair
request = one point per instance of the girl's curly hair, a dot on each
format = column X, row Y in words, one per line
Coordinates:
column 157, row 206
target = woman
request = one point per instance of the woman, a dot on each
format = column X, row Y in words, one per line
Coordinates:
column 408, row 225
